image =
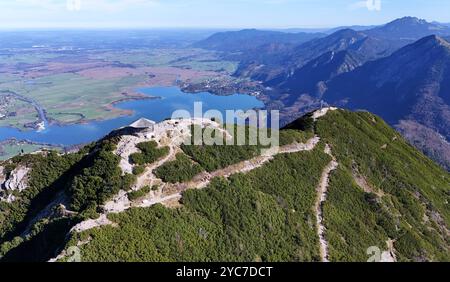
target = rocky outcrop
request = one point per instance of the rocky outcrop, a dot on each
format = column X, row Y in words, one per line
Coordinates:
column 2, row 176
column 17, row 181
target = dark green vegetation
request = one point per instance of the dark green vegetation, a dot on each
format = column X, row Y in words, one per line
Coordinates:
column 181, row 170
column 412, row 206
column 41, row 244
column 138, row 170
column 149, row 153
column 230, row 220
column 288, row 136
column 214, row 157
column 134, row 195
column 85, row 179
column 355, row 220
column 100, row 179
column 383, row 190
column 51, row 172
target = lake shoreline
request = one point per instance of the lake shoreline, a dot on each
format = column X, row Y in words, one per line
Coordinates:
column 137, row 96
column 155, row 103
column 83, row 120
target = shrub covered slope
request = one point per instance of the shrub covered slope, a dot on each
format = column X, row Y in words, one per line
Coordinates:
column 384, row 193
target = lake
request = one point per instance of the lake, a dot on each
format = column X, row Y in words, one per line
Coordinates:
column 171, row 99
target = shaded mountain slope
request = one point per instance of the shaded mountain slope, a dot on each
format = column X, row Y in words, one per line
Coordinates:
column 312, row 77
column 346, row 39
column 359, row 70
column 371, row 44
column 412, row 85
column 274, row 68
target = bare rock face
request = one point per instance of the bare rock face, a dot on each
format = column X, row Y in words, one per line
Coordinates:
column 18, row 180
column 5, row 195
column 9, row 198
column 2, row 176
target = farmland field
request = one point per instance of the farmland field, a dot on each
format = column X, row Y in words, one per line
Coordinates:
column 78, row 86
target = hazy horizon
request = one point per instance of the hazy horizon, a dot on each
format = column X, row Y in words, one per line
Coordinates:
column 219, row 14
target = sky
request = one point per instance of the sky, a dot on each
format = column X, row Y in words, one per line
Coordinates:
column 213, row 13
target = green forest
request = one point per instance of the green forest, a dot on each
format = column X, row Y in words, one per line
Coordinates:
column 180, row 170
column 228, row 221
column 265, row 215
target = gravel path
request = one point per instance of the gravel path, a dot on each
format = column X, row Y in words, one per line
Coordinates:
column 169, row 192
column 321, row 198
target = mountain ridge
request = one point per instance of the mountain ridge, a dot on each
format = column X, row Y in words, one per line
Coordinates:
column 252, row 39
column 413, row 81
column 320, row 70
column 299, row 76
column 395, row 209
column 274, row 68
column 408, row 28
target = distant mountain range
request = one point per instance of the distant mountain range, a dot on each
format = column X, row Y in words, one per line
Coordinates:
column 252, row 39
column 420, row 68
column 410, row 86
column 408, row 28
column 399, row 70
column 275, row 65
column 354, row 27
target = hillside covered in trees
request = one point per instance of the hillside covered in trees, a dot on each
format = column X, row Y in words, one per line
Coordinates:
column 342, row 183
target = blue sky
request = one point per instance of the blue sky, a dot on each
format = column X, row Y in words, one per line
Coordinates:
column 214, row 13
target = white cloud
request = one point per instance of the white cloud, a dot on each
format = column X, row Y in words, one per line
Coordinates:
column 118, row 5
column 90, row 5
column 371, row 5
